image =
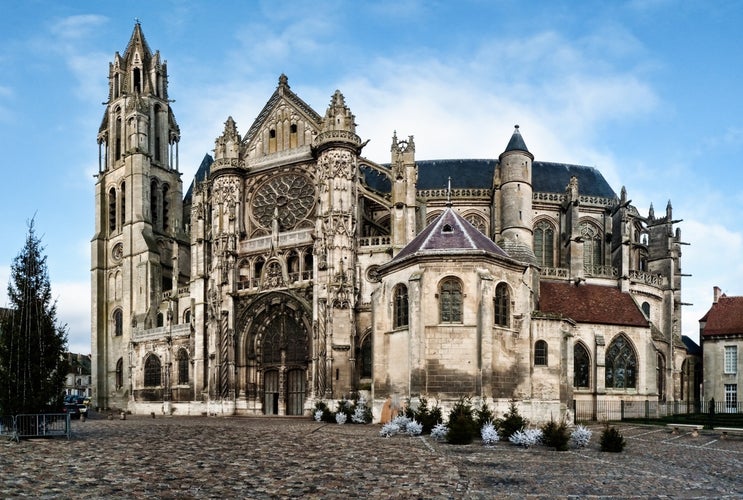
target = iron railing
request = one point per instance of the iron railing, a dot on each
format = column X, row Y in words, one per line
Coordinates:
column 35, row 425
column 708, row 413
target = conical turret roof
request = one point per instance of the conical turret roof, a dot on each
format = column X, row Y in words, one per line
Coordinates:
column 517, row 142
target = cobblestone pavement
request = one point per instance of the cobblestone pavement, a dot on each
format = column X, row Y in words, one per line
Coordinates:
column 211, row 457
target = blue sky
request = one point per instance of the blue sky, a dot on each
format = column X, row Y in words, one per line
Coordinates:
column 647, row 91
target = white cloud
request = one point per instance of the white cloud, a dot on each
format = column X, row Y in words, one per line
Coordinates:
column 73, row 309
column 713, row 258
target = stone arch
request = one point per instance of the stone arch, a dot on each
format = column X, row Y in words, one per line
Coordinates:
column 274, row 352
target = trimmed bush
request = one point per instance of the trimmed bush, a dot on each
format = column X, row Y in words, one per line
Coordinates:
column 428, row 417
column 526, row 437
column 612, row 440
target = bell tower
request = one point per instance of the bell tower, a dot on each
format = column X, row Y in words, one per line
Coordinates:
column 139, row 246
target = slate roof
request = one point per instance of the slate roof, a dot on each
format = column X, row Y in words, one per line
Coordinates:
column 725, row 317
column 517, row 142
column 201, row 174
column 691, row 347
column 449, row 233
column 547, row 177
column 590, row 304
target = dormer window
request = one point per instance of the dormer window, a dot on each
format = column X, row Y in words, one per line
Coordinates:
column 447, row 228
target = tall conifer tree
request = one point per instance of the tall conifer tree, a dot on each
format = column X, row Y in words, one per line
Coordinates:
column 32, row 344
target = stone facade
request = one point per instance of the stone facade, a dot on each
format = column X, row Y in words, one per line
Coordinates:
column 721, row 333
column 274, row 282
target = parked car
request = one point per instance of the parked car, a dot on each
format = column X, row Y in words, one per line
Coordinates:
column 72, row 409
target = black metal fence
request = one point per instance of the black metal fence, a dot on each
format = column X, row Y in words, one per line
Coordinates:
column 36, row 425
column 708, row 413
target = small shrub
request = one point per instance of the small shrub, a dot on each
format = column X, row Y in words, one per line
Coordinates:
column 526, row 437
column 612, row 440
column 462, row 427
column 389, row 429
column 361, row 413
column 318, row 416
column 327, row 415
column 340, row 418
column 414, row 428
column 489, row 434
column 483, row 415
column 511, row 421
column 428, row 417
column 580, row 436
column 401, row 422
column 556, row 435
column 439, row 431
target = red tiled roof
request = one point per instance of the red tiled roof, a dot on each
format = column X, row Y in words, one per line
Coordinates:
column 725, row 317
column 590, row 304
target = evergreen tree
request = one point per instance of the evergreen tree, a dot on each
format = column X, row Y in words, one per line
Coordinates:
column 32, row 345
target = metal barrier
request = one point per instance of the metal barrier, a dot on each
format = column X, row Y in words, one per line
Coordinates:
column 36, row 425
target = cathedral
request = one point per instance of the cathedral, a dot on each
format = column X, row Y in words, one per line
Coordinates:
column 293, row 269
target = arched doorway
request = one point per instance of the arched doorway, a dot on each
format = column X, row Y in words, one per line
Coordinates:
column 276, row 355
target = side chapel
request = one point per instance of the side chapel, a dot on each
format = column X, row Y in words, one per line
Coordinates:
column 293, row 269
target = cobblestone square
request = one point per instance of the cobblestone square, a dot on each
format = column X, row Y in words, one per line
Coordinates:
column 207, row 457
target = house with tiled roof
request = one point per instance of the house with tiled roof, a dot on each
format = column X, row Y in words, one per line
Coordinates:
column 296, row 270
column 721, row 335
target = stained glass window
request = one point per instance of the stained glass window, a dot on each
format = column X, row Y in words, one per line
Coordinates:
column 581, row 366
column 502, row 305
column 401, row 306
column 621, row 364
column 450, row 300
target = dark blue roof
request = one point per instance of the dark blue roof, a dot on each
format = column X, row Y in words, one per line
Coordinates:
column 517, row 142
column 434, row 174
column 201, row 174
column 375, row 179
column 691, row 346
column 547, row 177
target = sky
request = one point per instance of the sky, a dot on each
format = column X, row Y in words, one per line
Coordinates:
column 647, row 91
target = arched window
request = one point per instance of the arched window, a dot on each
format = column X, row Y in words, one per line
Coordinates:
column 118, row 139
column 153, row 204
column 592, row 248
column 118, row 323
column 502, row 305
column 581, row 366
column 544, row 244
column 112, row 210
column 646, row 309
column 166, row 208
column 477, row 221
column 366, row 357
column 540, row 353
column 119, row 373
column 137, row 80
column 160, row 319
column 401, row 306
column 122, row 204
column 187, row 316
column 182, row 366
column 621, row 364
column 152, row 371
column 661, row 377
column 450, row 300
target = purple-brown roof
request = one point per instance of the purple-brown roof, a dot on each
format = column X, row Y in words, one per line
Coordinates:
column 725, row 317
column 449, row 233
column 590, row 304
